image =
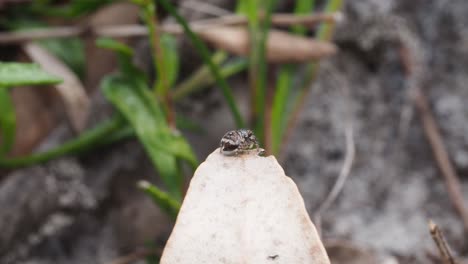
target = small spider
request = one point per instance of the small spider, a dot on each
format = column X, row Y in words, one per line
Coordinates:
column 238, row 141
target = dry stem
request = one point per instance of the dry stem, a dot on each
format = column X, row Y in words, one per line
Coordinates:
column 340, row 181
column 126, row 31
column 436, row 142
column 438, row 238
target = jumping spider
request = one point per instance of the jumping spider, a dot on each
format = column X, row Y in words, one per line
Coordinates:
column 238, row 141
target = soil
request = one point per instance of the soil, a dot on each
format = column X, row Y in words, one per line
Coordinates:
column 88, row 209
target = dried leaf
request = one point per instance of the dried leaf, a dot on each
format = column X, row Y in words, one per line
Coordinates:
column 281, row 47
column 71, row 90
column 243, row 209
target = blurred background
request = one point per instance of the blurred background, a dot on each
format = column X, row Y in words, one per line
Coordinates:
column 107, row 107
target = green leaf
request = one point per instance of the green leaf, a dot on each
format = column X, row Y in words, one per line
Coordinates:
column 74, row 8
column 7, row 122
column 284, row 86
column 69, row 50
column 100, row 135
column 132, row 97
column 325, row 31
column 302, row 7
column 124, row 56
column 161, row 199
column 205, row 53
column 17, row 74
column 114, row 45
column 279, row 109
column 258, row 66
column 202, row 77
column 171, row 58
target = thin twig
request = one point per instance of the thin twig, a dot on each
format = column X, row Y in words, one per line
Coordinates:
column 204, row 7
column 340, row 181
column 441, row 244
column 441, row 155
column 436, row 142
column 133, row 30
column 134, row 256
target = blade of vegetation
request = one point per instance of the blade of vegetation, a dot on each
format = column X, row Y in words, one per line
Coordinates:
column 205, row 53
column 18, row 74
column 87, row 140
column 284, row 85
column 73, row 9
column 69, row 50
column 133, row 99
column 124, row 56
column 326, row 30
column 325, row 33
column 171, row 59
column 148, row 7
column 303, row 7
column 278, row 112
column 202, row 77
column 130, row 94
column 259, row 29
column 161, row 198
column 7, row 122
column 116, row 46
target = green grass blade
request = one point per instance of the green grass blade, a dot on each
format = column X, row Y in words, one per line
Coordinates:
column 326, row 30
column 278, row 111
column 73, row 9
column 89, row 139
column 302, row 7
column 122, row 93
column 171, row 59
column 258, row 65
column 284, row 86
column 325, row 33
column 124, row 55
column 116, row 46
column 18, row 74
column 133, row 99
column 158, row 53
column 7, row 122
column 161, row 199
column 205, row 53
column 202, row 78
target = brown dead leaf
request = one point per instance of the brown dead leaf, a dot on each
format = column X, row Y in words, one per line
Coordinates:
column 282, row 47
column 100, row 62
column 34, row 118
column 71, row 89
